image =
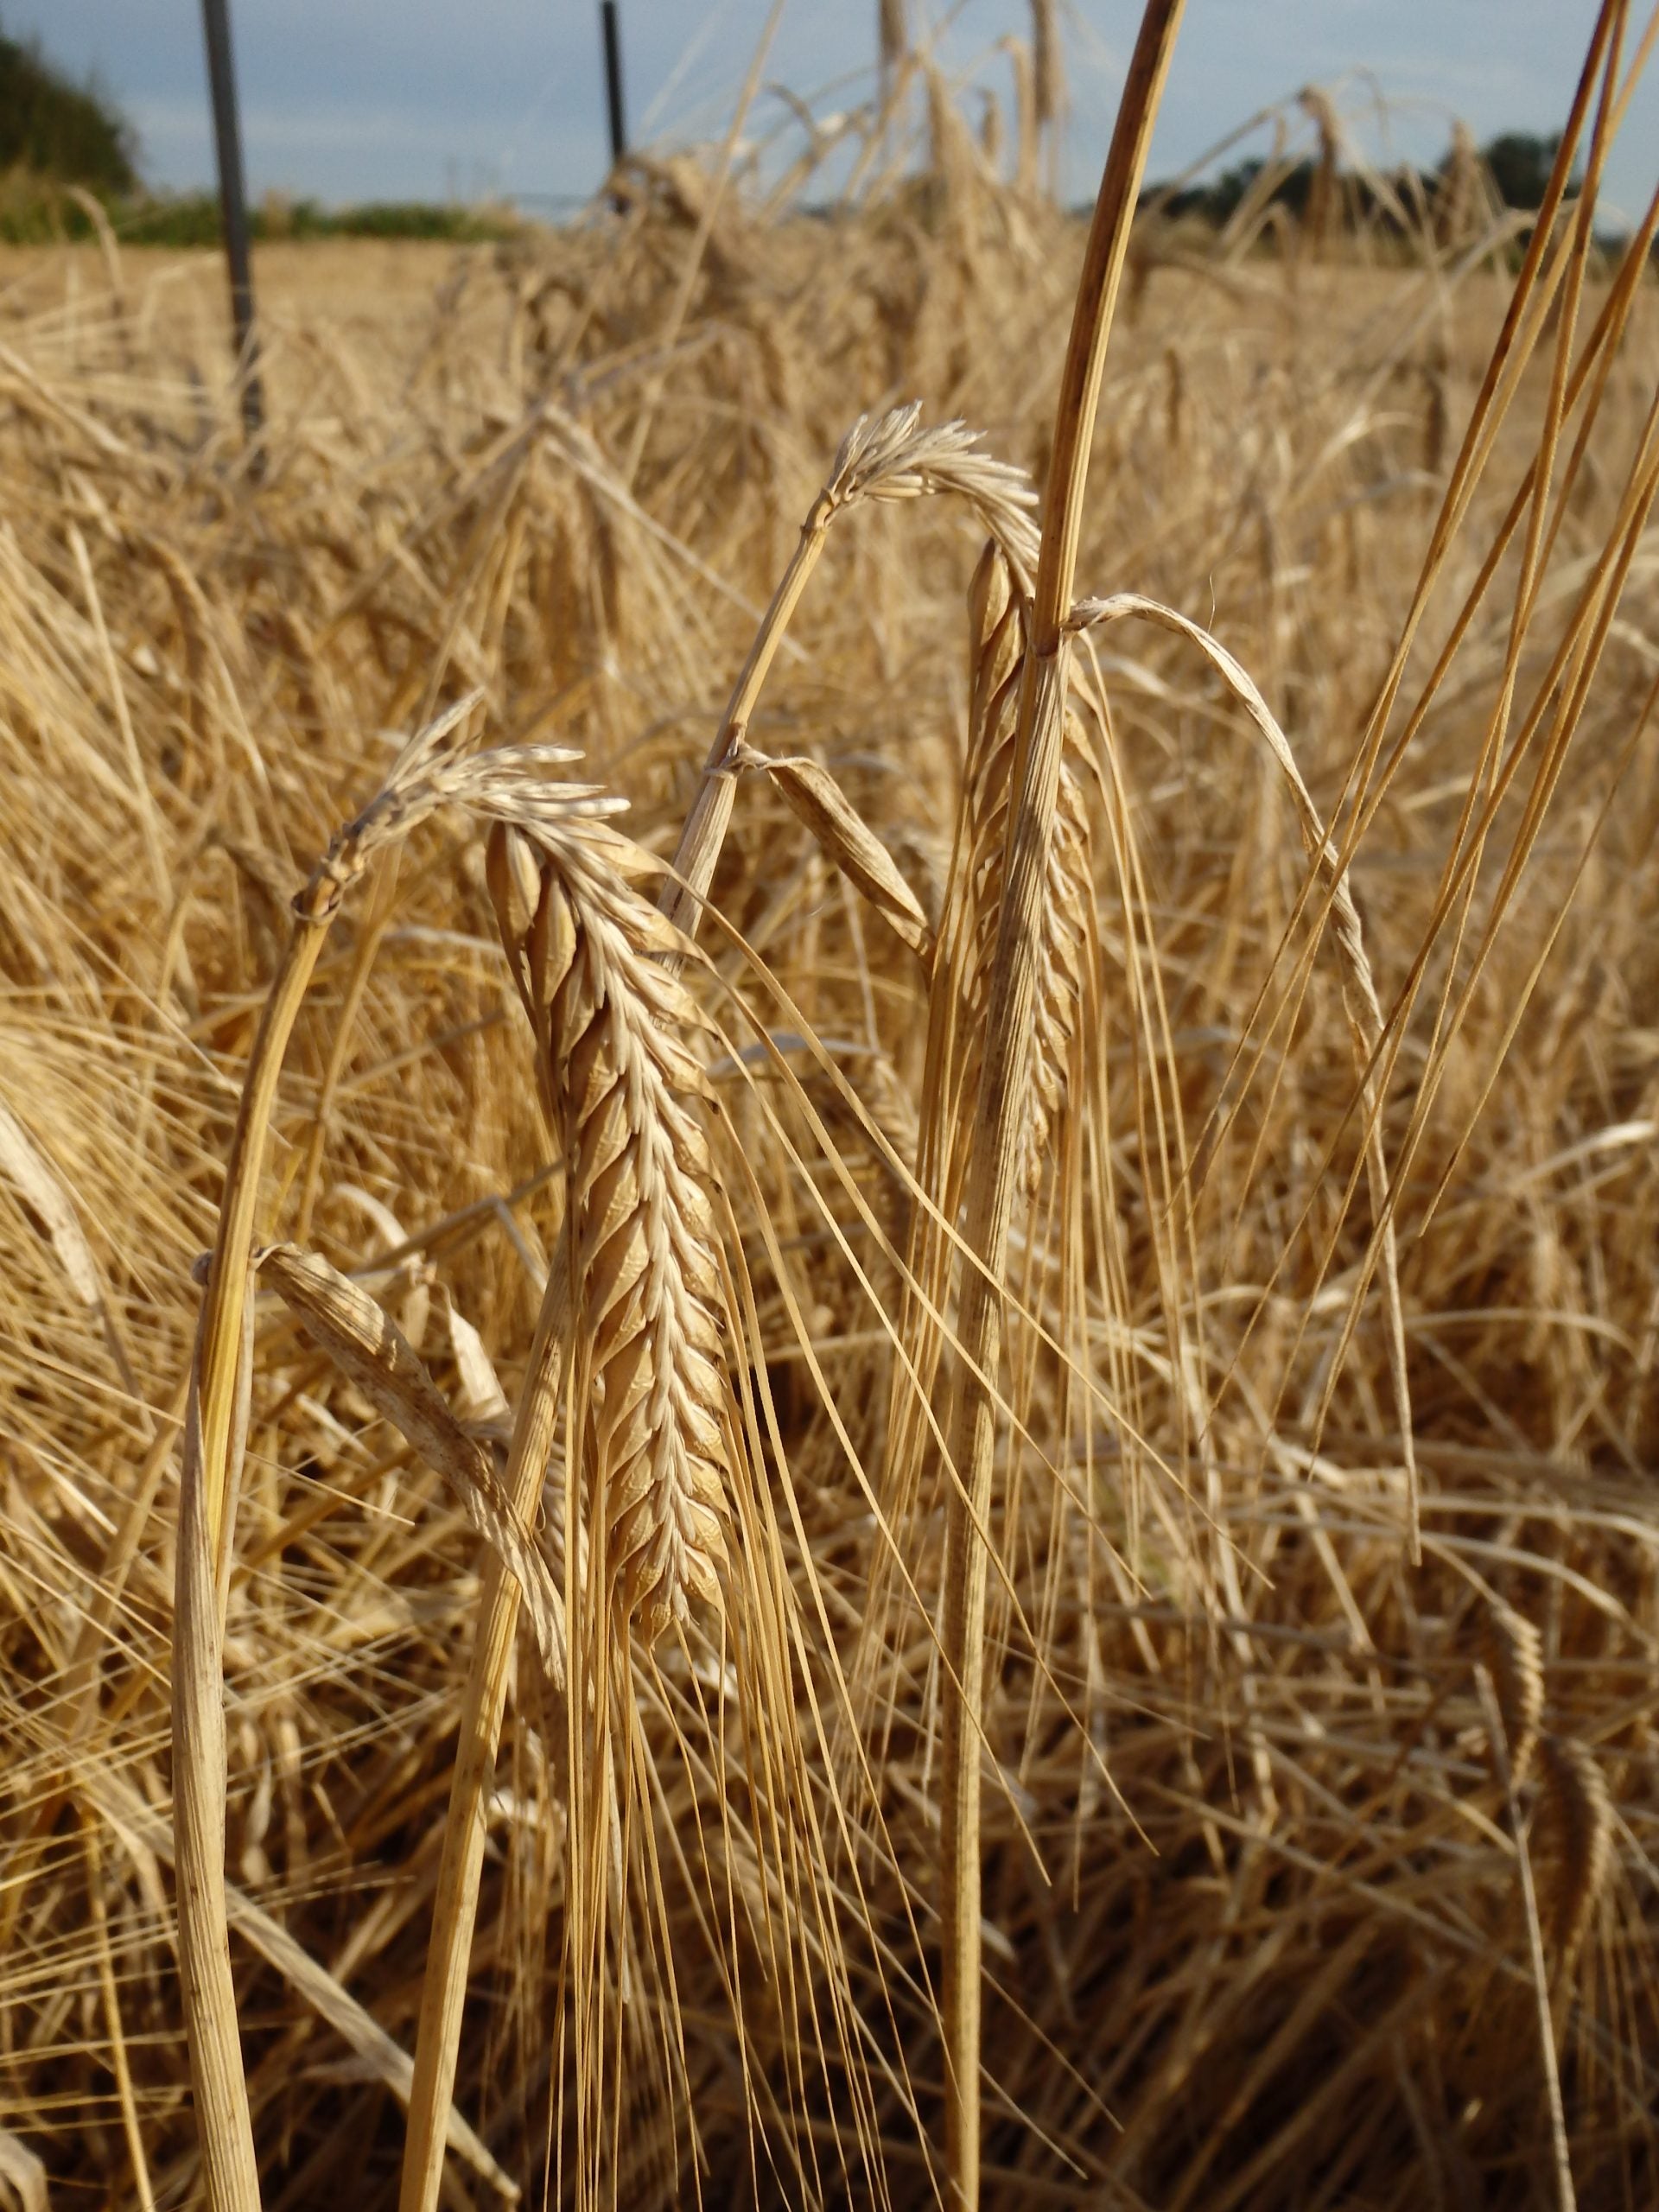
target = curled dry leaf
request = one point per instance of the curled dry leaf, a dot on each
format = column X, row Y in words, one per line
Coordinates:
column 815, row 798
column 372, row 1352
column 483, row 1401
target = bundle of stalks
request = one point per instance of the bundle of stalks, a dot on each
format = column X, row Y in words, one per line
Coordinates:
column 637, row 1266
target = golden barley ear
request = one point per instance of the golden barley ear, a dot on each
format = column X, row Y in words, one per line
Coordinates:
column 1513, row 1651
column 1575, row 1843
column 1066, row 942
column 647, row 1338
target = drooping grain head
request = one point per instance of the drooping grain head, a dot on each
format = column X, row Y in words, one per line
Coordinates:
column 1514, row 1651
column 1576, row 1842
column 1067, row 913
column 623, row 1088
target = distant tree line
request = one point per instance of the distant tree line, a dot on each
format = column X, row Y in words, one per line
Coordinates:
column 1518, row 163
column 54, row 134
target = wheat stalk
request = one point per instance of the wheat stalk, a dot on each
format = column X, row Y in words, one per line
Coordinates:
column 1566, row 2199
column 891, row 458
column 1066, row 955
column 892, row 34
column 431, row 771
column 438, row 2040
column 1038, row 744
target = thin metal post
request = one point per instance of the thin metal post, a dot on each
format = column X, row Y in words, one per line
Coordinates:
column 614, row 80
column 233, row 208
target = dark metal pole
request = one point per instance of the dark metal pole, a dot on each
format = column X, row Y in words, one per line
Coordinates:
column 614, row 80
column 234, row 207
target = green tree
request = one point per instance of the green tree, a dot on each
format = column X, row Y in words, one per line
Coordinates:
column 69, row 133
column 1520, row 166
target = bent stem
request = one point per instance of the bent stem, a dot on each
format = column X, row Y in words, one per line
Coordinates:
column 1002, row 1081
column 711, row 810
column 215, row 1433
column 437, row 2041
column 207, row 1487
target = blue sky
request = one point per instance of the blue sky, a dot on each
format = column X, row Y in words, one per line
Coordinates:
column 347, row 99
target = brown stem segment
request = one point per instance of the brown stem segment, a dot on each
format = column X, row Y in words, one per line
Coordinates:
column 1002, row 1081
column 711, row 810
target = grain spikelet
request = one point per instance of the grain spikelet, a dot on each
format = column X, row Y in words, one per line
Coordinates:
column 1067, row 916
column 1455, row 210
column 1514, row 1651
column 1576, row 1819
column 892, row 457
column 895, row 457
column 435, row 769
column 1322, row 194
column 608, row 1020
column 1067, row 926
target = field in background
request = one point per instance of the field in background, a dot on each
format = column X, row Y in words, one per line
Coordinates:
column 1280, row 1961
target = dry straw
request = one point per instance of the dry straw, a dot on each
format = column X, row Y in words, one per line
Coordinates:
column 678, row 1374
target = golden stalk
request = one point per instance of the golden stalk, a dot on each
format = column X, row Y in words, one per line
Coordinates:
column 1002, row 1081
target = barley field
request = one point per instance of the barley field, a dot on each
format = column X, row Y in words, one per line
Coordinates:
column 971, row 1399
